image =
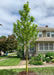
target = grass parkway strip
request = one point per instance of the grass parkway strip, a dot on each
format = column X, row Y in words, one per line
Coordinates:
column 39, row 71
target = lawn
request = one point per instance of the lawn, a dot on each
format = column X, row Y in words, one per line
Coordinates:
column 10, row 61
column 39, row 71
column 2, row 57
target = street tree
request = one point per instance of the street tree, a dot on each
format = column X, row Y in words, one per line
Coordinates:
column 25, row 30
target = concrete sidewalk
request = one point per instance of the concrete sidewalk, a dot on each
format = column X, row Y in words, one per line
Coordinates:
column 24, row 66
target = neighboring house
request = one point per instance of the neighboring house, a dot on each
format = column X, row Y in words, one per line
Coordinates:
column 44, row 42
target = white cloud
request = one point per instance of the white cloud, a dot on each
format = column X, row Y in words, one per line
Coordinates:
column 49, row 3
column 42, row 10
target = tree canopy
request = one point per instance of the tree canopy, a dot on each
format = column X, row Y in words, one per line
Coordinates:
column 8, row 43
column 25, row 30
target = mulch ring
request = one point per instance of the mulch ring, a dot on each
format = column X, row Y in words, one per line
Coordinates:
column 29, row 73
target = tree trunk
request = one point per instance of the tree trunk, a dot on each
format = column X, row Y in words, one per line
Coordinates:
column 27, row 59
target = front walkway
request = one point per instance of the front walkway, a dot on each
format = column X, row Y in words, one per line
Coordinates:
column 22, row 64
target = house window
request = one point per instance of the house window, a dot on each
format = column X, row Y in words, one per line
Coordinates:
column 45, row 46
column 50, row 46
column 48, row 34
column 52, row 34
column 41, row 46
column 40, row 34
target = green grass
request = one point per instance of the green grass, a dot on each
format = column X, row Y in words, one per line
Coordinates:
column 2, row 57
column 39, row 71
column 10, row 61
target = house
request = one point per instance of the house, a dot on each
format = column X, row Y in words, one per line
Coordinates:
column 44, row 42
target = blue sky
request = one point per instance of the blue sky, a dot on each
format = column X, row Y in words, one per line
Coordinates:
column 42, row 10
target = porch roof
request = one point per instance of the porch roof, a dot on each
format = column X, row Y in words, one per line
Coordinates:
column 45, row 29
column 45, row 39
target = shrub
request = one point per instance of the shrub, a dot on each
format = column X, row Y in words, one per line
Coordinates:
column 52, row 60
column 51, row 57
column 44, row 59
column 36, row 58
column 40, row 54
column 30, row 62
column 47, row 59
column 20, row 53
column 49, row 54
column 36, row 62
